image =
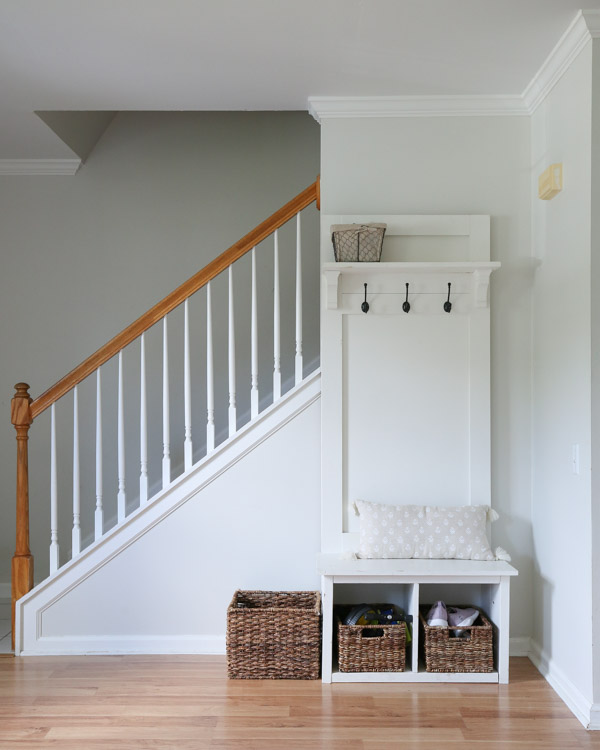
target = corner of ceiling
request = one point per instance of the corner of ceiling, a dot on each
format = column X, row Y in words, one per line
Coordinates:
column 585, row 26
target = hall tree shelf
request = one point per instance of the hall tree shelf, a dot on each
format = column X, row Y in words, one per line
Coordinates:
column 410, row 583
column 405, row 419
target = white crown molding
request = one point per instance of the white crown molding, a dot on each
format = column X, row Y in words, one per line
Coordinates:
column 39, row 166
column 326, row 107
column 585, row 26
column 592, row 19
column 559, row 60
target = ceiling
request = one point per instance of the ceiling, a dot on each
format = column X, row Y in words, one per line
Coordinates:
column 256, row 54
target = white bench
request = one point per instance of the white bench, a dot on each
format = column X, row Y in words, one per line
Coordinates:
column 410, row 583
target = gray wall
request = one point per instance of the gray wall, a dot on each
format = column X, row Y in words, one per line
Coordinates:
column 82, row 257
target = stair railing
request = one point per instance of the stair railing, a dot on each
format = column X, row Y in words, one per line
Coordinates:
column 24, row 409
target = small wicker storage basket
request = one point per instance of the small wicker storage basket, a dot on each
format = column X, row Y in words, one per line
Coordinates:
column 357, row 242
column 274, row 635
column 358, row 652
column 446, row 653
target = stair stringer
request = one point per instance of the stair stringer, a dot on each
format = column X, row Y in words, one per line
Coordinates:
column 29, row 637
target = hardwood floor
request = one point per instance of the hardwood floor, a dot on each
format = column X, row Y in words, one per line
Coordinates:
column 187, row 702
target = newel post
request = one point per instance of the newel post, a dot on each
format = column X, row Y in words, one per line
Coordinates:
column 22, row 562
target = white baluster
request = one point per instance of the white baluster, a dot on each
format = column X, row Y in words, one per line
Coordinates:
column 121, row 497
column 187, row 389
column 99, row 512
column 76, row 535
column 166, row 461
column 254, row 345
column 143, row 425
column 210, row 384
column 53, row 494
column 231, row 341
column 299, row 363
column 276, row 322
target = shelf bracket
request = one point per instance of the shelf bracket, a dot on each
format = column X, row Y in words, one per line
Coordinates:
column 332, row 279
column 481, row 288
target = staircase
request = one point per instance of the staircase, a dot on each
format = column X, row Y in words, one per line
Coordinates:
column 154, row 502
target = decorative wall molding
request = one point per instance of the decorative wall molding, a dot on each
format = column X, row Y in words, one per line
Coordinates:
column 592, row 20
column 328, row 107
column 561, row 684
column 560, row 59
column 29, row 633
column 585, row 26
column 39, row 166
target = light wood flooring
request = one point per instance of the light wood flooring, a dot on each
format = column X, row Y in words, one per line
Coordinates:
column 187, row 702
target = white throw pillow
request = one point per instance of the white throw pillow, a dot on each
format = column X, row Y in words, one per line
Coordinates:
column 424, row 531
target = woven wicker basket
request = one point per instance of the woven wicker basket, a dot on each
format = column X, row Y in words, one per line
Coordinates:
column 357, row 242
column 358, row 652
column 447, row 653
column 274, row 635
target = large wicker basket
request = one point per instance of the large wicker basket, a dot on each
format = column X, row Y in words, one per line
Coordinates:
column 447, row 653
column 274, row 635
column 371, row 648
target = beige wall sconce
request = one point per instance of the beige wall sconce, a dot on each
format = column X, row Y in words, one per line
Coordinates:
column 550, row 182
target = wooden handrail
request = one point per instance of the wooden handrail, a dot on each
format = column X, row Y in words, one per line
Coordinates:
column 171, row 301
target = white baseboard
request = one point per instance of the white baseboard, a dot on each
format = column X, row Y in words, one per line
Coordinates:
column 520, row 646
column 581, row 707
column 129, row 644
column 177, row 644
column 595, row 716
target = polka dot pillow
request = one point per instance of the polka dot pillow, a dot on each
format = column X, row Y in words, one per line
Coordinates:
column 424, row 531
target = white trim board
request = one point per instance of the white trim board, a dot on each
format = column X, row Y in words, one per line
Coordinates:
column 30, row 167
column 565, row 689
column 594, row 717
column 128, row 644
column 520, row 645
column 585, row 26
column 330, row 107
column 568, row 47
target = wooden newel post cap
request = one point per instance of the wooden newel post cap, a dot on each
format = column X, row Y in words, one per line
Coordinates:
column 20, row 411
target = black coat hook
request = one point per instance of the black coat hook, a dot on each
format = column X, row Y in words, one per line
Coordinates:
column 365, row 305
column 447, row 303
column 406, row 303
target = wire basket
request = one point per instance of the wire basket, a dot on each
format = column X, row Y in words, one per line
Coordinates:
column 357, row 242
column 447, row 653
column 274, row 635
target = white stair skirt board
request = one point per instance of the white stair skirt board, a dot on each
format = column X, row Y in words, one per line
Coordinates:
column 582, row 708
column 29, row 632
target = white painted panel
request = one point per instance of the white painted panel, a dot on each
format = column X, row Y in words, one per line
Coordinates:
column 406, row 410
column 227, row 536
